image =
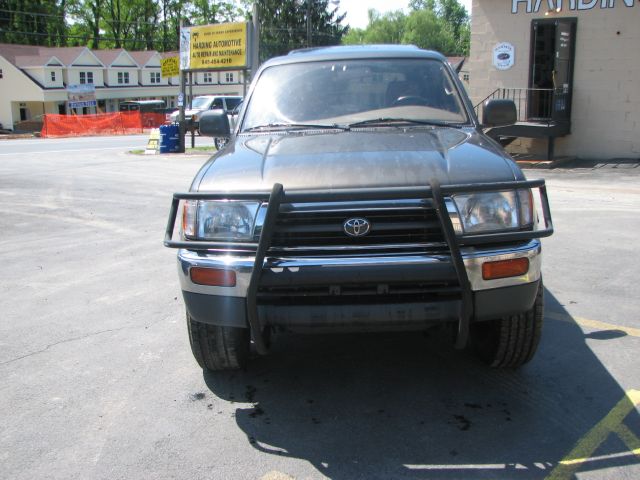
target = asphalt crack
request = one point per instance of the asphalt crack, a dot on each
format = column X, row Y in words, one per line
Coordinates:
column 68, row 340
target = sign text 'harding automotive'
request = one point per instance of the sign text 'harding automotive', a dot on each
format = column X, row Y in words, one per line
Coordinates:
column 211, row 47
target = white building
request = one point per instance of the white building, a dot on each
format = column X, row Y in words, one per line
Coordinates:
column 33, row 80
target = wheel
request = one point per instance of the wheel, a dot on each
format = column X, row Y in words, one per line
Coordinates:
column 512, row 341
column 220, row 142
column 218, row 348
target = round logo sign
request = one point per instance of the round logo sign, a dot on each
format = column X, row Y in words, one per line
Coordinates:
column 504, row 56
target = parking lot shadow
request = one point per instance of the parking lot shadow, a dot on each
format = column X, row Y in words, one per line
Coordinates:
column 410, row 406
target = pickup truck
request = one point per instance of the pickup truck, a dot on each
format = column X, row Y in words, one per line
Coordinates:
column 204, row 103
column 358, row 192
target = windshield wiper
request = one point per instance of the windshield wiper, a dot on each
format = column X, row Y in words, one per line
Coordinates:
column 296, row 126
column 405, row 121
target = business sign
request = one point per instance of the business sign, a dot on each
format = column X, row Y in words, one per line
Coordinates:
column 82, row 95
column 538, row 6
column 504, row 56
column 214, row 47
column 169, row 67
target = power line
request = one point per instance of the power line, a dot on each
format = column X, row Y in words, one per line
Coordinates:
column 58, row 36
column 80, row 17
column 72, row 16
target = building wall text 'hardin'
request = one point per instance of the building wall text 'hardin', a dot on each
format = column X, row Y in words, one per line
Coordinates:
column 534, row 6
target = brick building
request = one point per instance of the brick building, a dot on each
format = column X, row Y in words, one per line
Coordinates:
column 571, row 66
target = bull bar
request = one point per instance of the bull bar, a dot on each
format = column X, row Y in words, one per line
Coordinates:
column 434, row 191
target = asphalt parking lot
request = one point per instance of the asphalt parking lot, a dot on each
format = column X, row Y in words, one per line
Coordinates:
column 98, row 380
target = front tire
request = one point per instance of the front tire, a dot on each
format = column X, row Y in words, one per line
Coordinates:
column 512, row 341
column 218, row 348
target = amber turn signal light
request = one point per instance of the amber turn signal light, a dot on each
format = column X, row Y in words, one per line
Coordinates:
column 505, row 268
column 213, row 277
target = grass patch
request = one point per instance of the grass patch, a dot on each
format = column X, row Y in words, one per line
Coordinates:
column 207, row 148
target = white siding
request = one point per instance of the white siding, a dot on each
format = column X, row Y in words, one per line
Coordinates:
column 146, row 77
column 14, row 87
column 73, row 75
column 112, row 76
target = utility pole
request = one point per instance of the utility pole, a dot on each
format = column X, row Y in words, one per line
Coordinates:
column 255, row 47
column 309, row 40
column 181, row 95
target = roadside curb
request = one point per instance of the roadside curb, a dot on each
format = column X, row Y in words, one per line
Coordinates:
column 13, row 136
column 578, row 163
column 535, row 163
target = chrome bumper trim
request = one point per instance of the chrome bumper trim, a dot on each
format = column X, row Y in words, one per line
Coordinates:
column 473, row 259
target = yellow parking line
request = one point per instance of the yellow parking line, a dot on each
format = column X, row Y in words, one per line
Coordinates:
column 588, row 444
column 634, row 332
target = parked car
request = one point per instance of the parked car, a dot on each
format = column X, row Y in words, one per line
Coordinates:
column 204, row 103
column 358, row 192
column 144, row 106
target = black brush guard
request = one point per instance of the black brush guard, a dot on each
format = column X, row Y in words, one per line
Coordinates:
column 435, row 191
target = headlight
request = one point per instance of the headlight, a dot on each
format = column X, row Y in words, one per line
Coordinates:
column 495, row 211
column 219, row 220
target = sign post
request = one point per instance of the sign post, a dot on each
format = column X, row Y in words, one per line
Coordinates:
column 218, row 47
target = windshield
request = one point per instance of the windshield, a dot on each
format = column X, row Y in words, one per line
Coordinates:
column 201, row 103
column 352, row 91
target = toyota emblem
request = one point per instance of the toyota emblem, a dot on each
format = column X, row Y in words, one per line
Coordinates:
column 356, row 227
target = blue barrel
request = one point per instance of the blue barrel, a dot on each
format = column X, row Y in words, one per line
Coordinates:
column 169, row 138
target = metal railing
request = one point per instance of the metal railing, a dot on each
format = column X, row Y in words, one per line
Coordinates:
column 532, row 104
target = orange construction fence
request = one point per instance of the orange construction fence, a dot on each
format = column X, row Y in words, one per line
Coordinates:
column 117, row 123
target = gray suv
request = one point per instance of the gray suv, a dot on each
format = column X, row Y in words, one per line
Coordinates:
column 358, row 192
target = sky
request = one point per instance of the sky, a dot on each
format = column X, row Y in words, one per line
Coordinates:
column 357, row 9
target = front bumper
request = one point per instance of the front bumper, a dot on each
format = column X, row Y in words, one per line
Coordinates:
column 382, row 269
column 492, row 298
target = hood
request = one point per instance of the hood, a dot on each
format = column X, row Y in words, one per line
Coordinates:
column 366, row 158
column 187, row 113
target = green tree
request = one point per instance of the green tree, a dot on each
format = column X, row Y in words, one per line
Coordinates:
column 387, row 28
column 172, row 11
column 441, row 25
column 454, row 14
column 206, row 12
column 425, row 29
column 283, row 25
column 34, row 22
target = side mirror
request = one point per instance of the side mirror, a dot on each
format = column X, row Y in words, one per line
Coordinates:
column 215, row 123
column 499, row 113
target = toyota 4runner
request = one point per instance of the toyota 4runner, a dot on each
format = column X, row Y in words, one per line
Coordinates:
column 359, row 192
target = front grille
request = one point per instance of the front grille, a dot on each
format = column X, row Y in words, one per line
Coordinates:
column 394, row 226
column 359, row 293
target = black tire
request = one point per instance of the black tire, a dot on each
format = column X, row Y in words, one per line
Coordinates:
column 512, row 341
column 218, row 348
